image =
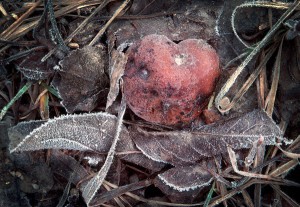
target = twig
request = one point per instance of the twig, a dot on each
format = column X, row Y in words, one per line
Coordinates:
column 17, row 23
column 117, row 12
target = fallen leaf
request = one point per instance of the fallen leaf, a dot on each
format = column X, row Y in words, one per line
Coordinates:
column 85, row 132
column 187, row 147
column 20, row 131
column 185, row 178
column 181, row 23
column 65, row 165
column 33, row 68
column 89, row 135
column 37, row 172
column 81, row 78
column 176, row 196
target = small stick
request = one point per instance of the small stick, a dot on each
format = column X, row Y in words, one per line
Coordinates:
column 18, row 22
column 117, row 12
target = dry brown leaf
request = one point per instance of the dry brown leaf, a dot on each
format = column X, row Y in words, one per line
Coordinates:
column 187, row 147
column 185, row 178
column 117, row 66
column 81, row 78
column 34, row 69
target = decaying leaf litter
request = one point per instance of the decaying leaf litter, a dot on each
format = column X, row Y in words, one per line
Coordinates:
column 78, row 69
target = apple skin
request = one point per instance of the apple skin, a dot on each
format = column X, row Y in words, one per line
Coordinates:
column 169, row 83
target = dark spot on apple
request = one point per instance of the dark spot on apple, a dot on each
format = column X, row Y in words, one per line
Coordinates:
column 149, row 50
column 154, row 93
column 145, row 90
column 170, row 90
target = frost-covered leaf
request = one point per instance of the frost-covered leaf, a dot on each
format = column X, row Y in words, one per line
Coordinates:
column 93, row 132
column 33, row 68
column 23, row 129
column 81, row 78
column 185, row 178
column 117, row 66
column 187, row 147
column 19, row 132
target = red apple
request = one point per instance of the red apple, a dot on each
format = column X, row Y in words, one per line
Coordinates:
column 169, row 83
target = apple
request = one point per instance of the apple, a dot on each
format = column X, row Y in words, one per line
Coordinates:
column 169, row 83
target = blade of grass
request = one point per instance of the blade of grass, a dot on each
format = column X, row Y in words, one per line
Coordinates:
column 79, row 28
column 217, row 200
column 44, row 106
column 286, row 167
column 94, row 184
column 251, row 79
column 261, row 84
column 287, row 198
column 209, row 195
column 247, row 198
column 51, row 90
column 14, row 99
